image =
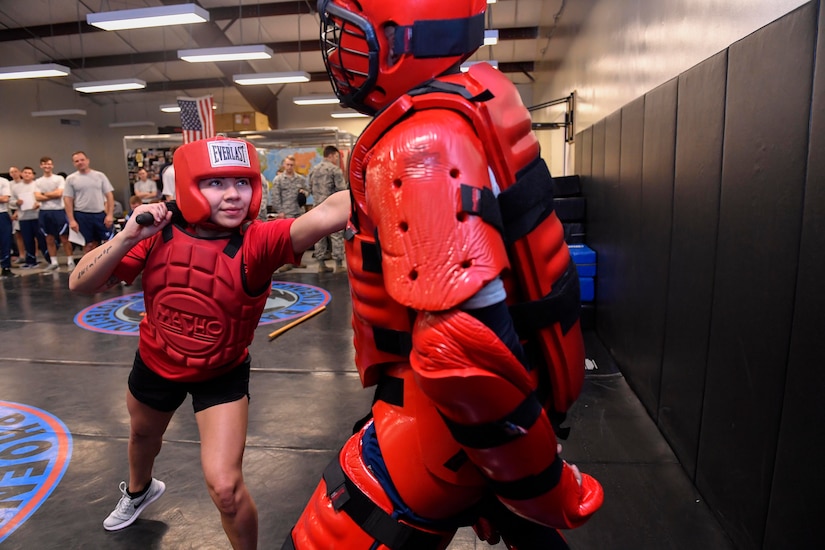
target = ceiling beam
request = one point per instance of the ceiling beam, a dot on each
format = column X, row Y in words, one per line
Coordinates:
column 321, row 76
column 275, row 9
column 164, row 56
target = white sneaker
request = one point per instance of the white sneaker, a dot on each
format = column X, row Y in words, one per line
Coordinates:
column 70, row 266
column 52, row 267
column 128, row 509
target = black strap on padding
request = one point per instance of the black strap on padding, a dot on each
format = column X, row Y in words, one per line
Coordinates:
column 528, row 202
column 481, row 202
column 440, row 37
column 501, row 431
column 371, row 257
column 530, row 486
column 231, row 249
column 166, row 233
column 234, row 245
column 390, row 390
column 392, row 341
column 347, row 497
column 561, row 305
column 450, row 88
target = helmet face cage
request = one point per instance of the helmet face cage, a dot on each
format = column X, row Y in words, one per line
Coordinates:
column 350, row 49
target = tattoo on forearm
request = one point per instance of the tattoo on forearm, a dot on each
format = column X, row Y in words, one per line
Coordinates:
column 103, row 251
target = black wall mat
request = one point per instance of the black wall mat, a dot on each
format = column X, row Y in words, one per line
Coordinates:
column 698, row 173
column 798, row 475
column 607, row 145
column 653, row 241
column 763, row 178
column 744, row 317
column 626, row 223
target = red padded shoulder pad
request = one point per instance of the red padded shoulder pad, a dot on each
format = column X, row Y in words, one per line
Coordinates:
column 434, row 255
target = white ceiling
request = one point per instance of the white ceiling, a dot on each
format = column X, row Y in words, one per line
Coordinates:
column 32, row 31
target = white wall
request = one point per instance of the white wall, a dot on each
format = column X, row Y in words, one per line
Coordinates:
column 25, row 139
column 628, row 47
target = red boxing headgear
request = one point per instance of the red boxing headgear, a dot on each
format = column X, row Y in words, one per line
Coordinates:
column 218, row 157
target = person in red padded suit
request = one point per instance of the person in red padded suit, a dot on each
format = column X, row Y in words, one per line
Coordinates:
column 206, row 278
column 465, row 300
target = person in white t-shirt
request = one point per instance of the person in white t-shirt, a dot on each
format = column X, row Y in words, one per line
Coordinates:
column 53, row 222
column 167, row 176
column 5, row 229
column 28, row 214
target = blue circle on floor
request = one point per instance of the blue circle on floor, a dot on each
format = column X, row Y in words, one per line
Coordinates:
column 122, row 314
column 34, row 453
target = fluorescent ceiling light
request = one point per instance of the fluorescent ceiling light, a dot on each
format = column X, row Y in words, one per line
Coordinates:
column 271, row 78
column 109, row 85
column 228, row 53
column 491, row 1
column 175, row 108
column 59, row 112
column 148, row 17
column 467, row 64
column 33, row 71
column 316, row 99
column 491, row 38
column 347, row 113
column 131, row 123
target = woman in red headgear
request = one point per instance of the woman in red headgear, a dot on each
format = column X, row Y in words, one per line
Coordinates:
column 206, row 278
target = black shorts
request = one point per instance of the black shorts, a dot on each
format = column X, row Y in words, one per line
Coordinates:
column 161, row 394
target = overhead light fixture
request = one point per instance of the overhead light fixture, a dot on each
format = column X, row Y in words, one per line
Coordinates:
column 316, row 99
column 109, row 85
column 131, row 123
column 271, row 78
column 490, row 37
column 227, row 53
column 347, row 113
column 141, row 18
column 59, row 112
column 467, row 64
column 43, row 70
column 175, row 108
column 491, row 1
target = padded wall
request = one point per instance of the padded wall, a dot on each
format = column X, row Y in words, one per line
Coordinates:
column 655, row 219
column 697, row 184
column 800, row 454
column 601, row 224
column 734, row 370
column 760, row 213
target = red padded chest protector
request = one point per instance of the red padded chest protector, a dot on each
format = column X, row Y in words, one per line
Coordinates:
column 199, row 317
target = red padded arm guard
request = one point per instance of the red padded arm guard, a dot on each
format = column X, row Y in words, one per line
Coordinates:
column 434, row 255
column 479, row 386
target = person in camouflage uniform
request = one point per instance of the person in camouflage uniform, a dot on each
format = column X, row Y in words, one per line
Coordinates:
column 285, row 189
column 283, row 195
column 324, row 180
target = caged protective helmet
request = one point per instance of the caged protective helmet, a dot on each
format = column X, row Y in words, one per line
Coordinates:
column 377, row 50
column 219, row 157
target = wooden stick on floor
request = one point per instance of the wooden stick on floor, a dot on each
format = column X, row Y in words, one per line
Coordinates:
column 283, row 329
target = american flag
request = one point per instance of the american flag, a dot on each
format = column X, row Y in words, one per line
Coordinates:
column 196, row 118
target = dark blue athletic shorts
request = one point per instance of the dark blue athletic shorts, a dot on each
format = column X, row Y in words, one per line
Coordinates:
column 165, row 395
column 54, row 223
column 92, row 227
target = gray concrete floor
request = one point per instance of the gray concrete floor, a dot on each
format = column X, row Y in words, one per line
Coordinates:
column 305, row 396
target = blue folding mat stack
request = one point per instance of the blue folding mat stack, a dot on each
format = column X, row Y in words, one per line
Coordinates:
column 585, row 259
